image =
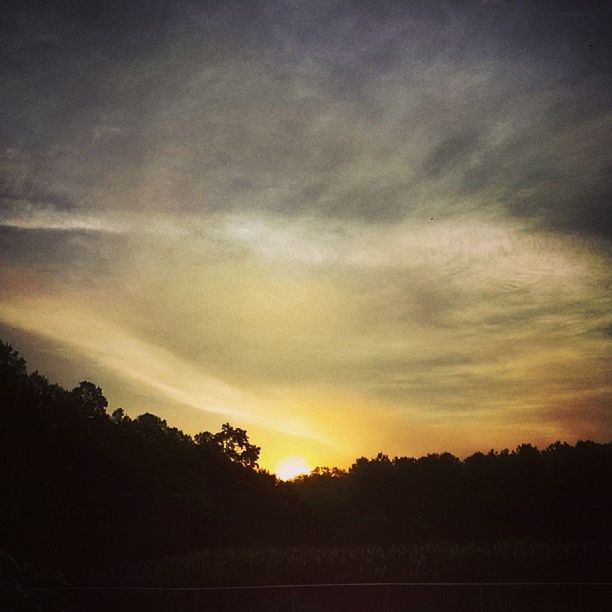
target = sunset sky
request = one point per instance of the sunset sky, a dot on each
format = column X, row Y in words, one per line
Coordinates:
column 347, row 227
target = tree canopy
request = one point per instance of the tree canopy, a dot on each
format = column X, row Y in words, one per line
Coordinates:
column 82, row 487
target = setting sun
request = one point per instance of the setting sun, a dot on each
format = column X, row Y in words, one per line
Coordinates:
column 290, row 467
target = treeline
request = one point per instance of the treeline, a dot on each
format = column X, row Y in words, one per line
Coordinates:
column 560, row 493
column 83, row 488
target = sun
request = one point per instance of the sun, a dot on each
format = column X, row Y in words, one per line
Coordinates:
column 290, row 467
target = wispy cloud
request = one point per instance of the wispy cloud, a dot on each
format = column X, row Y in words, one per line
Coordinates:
column 152, row 367
column 29, row 217
column 389, row 220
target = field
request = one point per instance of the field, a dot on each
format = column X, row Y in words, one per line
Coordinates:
column 504, row 562
column 423, row 578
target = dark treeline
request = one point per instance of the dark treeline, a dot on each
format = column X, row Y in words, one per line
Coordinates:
column 83, row 488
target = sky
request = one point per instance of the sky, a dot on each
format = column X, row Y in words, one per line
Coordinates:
column 347, row 227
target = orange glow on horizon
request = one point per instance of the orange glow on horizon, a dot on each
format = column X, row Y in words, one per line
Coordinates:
column 290, row 467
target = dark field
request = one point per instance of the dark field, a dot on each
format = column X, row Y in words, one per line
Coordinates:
column 423, row 578
column 347, row 598
column 510, row 576
column 509, row 562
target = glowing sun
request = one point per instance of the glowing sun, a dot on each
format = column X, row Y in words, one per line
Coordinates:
column 290, row 467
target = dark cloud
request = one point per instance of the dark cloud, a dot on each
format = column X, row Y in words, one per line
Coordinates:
column 11, row 198
column 213, row 107
column 452, row 151
column 60, row 259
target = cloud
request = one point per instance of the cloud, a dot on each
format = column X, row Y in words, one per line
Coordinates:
column 28, row 217
column 399, row 204
column 150, row 366
column 336, row 111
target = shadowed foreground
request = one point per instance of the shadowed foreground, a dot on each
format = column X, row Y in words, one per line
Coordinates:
column 510, row 576
column 98, row 500
column 443, row 562
column 423, row 597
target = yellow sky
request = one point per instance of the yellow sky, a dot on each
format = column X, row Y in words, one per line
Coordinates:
column 333, row 342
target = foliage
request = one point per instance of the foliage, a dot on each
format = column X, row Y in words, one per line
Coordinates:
column 82, row 488
column 233, row 442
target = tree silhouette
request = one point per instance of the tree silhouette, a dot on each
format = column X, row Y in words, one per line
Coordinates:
column 90, row 398
column 233, row 442
column 82, row 488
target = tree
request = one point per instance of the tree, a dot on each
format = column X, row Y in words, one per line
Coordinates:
column 11, row 361
column 234, row 443
column 90, row 398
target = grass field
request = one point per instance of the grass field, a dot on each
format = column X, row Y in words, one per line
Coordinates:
column 504, row 562
column 535, row 577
